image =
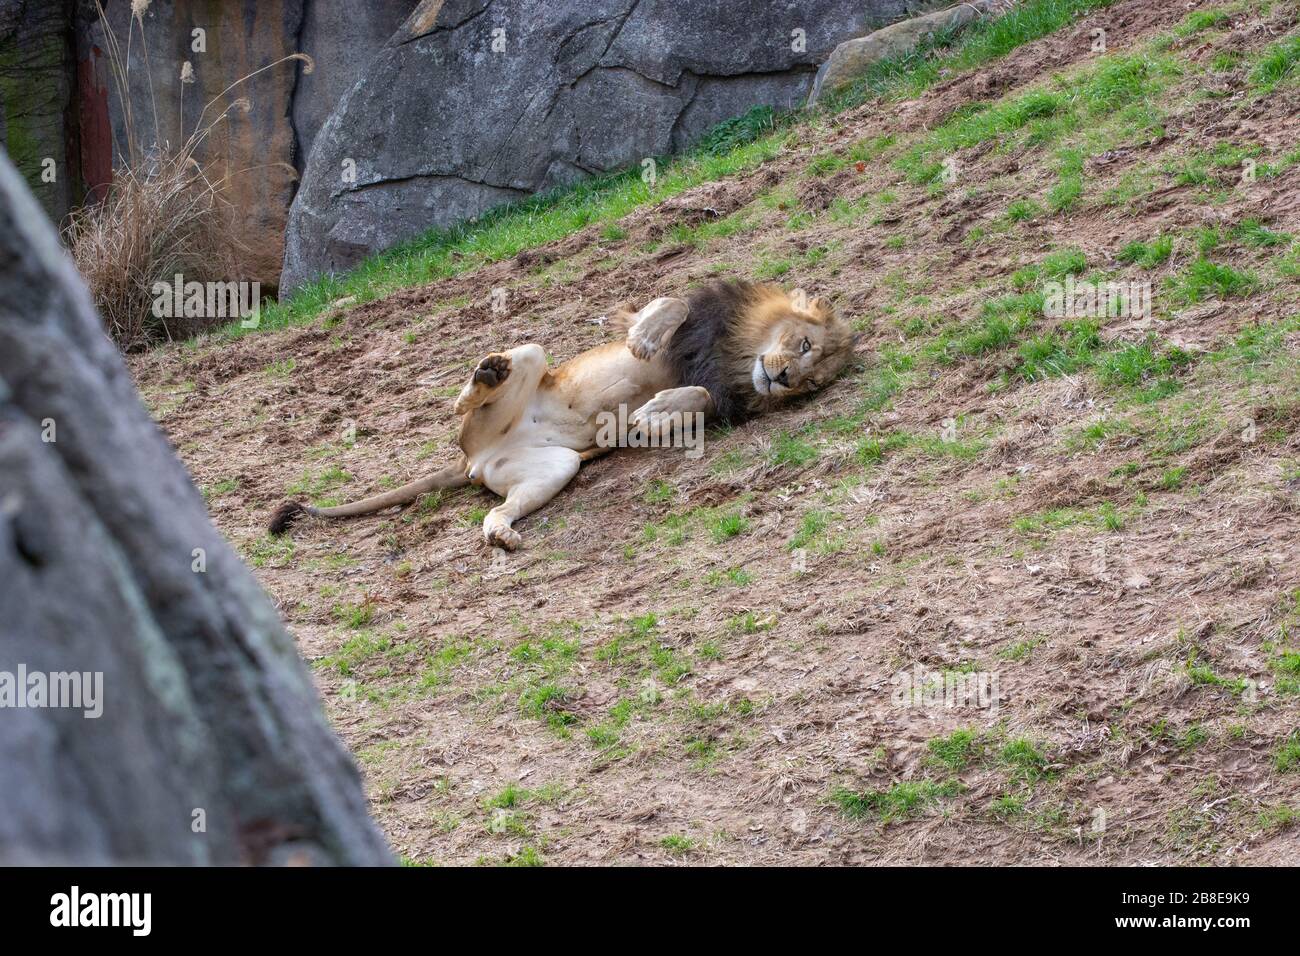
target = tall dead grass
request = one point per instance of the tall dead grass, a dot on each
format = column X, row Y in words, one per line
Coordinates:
column 166, row 211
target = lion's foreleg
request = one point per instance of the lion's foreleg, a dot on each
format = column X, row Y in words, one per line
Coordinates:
column 653, row 326
column 669, row 409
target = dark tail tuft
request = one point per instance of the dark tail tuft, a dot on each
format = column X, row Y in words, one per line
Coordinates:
column 284, row 516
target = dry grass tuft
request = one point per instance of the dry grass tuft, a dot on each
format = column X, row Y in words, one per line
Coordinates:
column 164, row 214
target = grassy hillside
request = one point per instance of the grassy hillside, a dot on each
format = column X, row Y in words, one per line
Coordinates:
column 696, row 660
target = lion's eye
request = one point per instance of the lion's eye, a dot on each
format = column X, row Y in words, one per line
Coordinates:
column 806, row 347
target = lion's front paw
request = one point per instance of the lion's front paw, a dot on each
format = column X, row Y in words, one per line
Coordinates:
column 493, row 370
column 501, row 535
column 641, row 343
column 655, row 421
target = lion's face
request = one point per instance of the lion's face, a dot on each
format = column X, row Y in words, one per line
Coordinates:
column 801, row 352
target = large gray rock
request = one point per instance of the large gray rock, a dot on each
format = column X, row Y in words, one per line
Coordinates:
column 210, row 745
column 854, row 58
column 474, row 103
column 341, row 36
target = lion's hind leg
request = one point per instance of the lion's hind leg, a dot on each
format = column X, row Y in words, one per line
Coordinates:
column 528, row 479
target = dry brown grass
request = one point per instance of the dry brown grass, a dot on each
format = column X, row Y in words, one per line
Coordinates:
column 164, row 213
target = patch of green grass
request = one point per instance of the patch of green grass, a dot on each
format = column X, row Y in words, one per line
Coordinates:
column 729, row 463
column 1277, row 64
column 736, row 576
column 223, row 487
column 527, row 856
column 1071, row 346
column 1172, row 478
column 872, row 449
column 700, row 235
column 768, row 269
column 1143, row 366
column 1008, row 807
column 956, row 751
column 659, row 492
column 678, row 845
column 739, row 131
column 1000, row 324
column 813, row 528
column 442, row 662
column 1203, row 675
column 316, row 485
column 1020, row 650
column 1286, row 668
column 1287, row 757
column 354, row 615
column 1252, row 232
column 273, row 552
column 1148, row 255
column 545, row 702
column 1192, row 737
column 899, row 802
column 1277, row 819
column 1204, row 280
column 729, row 525
column 607, row 736
column 1104, row 515
column 710, row 651
column 749, row 623
column 1064, row 262
column 1023, row 210
column 1068, row 189
column 1111, row 84
column 827, row 163
column 1199, row 20
column 637, row 650
column 1024, row 759
column 788, row 448
column 280, row 370
column 360, row 648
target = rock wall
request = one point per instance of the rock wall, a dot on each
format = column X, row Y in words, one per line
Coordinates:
column 36, row 99
column 474, row 103
column 58, row 95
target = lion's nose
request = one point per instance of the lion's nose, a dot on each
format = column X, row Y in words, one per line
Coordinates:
column 784, row 378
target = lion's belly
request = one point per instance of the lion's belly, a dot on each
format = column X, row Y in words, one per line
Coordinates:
column 608, row 380
column 573, row 404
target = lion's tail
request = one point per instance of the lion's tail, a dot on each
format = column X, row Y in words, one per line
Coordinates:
column 453, row 476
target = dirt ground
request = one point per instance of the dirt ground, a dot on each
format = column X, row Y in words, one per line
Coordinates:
column 696, row 661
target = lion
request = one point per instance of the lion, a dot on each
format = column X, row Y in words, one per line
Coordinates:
column 728, row 351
